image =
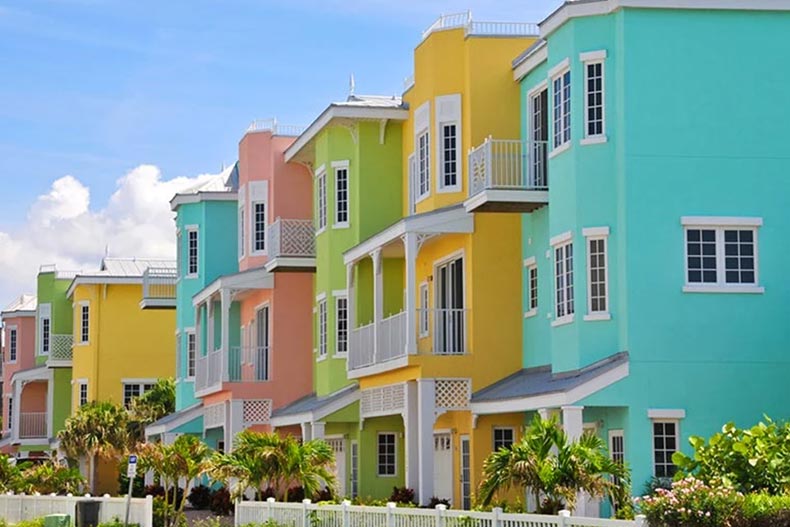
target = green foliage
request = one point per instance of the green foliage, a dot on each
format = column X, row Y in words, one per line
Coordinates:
column 151, row 406
column 402, row 495
column 221, row 503
column 692, row 503
column 10, row 474
column 50, row 477
column 208, row 522
column 555, row 469
column 116, row 522
column 752, row 460
column 37, row 522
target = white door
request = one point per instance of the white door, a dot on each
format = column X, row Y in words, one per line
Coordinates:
column 443, row 466
column 339, row 448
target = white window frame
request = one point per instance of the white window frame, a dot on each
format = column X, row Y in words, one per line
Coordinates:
column 612, row 434
column 242, row 237
column 395, row 454
column 84, row 327
column 321, row 212
column 140, row 383
column 45, row 314
column 13, row 344
column 448, row 113
column 10, row 410
column 653, row 422
column 323, row 329
column 531, row 266
column 422, row 129
column 424, row 320
column 597, row 234
column 561, row 243
column 338, row 166
column 191, row 356
column 341, row 296
column 82, row 384
column 592, row 58
column 719, row 224
column 496, row 429
column 189, row 230
column 561, row 109
column 254, row 227
column 354, row 469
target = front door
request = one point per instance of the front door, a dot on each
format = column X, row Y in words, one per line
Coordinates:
column 450, row 313
column 443, row 466
column 339, row 448
column 261, row 351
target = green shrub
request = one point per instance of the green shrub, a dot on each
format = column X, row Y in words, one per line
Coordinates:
column 764, row 510
column 200, row 497
column 38, row 522
column 692, row 503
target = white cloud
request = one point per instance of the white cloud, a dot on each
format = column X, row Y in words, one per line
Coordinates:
column 63, row 227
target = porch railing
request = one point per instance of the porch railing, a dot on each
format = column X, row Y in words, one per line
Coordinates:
column 32, row 424
column 208, row 370
column 361, row 352
column 276, row 128
column 159, row 283
column 503, row 164
column 61, row 347
column 248, row 364
column 392, row 338
column 472, row 27
column 291, row 238
column 446, row 331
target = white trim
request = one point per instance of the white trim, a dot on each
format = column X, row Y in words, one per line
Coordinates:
column 529, row 262
column 588, row 59
column 316, row 415
column 320, row 176
column 559, row 68
column 560, row 149
column 595, row 231
column 597, row 234
column 15, row 329
column 560, row 238
column 530, row 313
column 592, row 56
column 343, row 163
column 378, row 466
column 337, row 166
column 337, row 292
column 320, row 296
column 595, row 317
column 424, row 330
column 198, row 197
column 721, row 221
column 542, row 86
column 440, row 120
column 253, row 202
column 494, row 429
column 712, row 288
column 594, row 139
column 321, row 168
column 668, row 414
column 195, row 229
column 721, row 284
column 567, row 319
column 538, row 57
column 338, row 298
column 139, row 380
column 79, row 341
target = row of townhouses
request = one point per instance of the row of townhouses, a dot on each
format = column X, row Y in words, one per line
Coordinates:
column 579, row 218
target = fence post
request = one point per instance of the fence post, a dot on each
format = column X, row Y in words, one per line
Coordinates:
column 148, row 520
column 564, row 515
column 390, row 517
column 440, row 508
column 269, row 507
column 640, row 520
column 346, row 518
column 496, row 521
column 305, row 503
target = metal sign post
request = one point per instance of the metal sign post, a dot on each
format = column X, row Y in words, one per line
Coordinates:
column 131, row 472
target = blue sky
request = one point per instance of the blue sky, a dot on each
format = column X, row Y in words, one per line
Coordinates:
column 95, row 88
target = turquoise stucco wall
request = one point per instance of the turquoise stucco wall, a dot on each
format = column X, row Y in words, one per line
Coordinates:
column 687, row 136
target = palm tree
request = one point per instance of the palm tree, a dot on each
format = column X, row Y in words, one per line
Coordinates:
column 307, row 465
column 154, row 404
column 97, row 430
column 550, row 466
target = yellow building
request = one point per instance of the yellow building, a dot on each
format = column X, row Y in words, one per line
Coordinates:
column 437, row 314
column 120, row 348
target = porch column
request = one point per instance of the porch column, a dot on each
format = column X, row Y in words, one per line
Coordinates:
column 224, row 297
column 410, row 249
column 319, row 429
column 378, row 301
column 426, row 416
column 15, row 406
column 198, row 338
column 209, row 325
column 572, row 421
column 351, row 303
column 234, row 422
column 410, row 437
column 306, row 431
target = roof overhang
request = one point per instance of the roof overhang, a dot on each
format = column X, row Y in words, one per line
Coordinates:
column 179, row 419
column 102, row 280
column 538, row 56
column 341, row 112
column 197, row 197
column 20, row 313
column 40, row 373
column 310, row 416
column 246, row 280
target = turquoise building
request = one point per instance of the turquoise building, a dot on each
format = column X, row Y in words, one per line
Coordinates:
column 206, row 218
column 653, row 183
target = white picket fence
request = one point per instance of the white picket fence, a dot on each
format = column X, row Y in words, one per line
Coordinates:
column 15, row 508
column 307, row 514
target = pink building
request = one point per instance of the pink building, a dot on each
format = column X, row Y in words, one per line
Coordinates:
column 258, row 321
column 25, row 419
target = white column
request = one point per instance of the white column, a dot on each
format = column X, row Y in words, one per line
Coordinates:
column 410, row 437
column 224, row 297
column 351, row 304
column 234, row 422
column 319, row 429
column 306, row 431
column 209, row 325
column 544, row 413
column 378, row 301
column 426, row 416
column 410, row 250
column 573, row 421
column 15, row 406
column 198, row 335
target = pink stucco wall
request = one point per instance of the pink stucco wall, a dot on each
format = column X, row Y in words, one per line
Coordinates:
column 26, row 353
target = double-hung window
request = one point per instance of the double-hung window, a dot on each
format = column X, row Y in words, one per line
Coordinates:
column 341, row 320
column 665, row 443
column 12, row 344
column 10, row 413
column 449, row 154
column 594, row 123
column 448, row 133
column 83, row 393
column 532, row 286
column 258, row 227
column 45, row 328
column 192, row 251
column 322, row 328
column 597, row 273
column 387, row 454
column 134, row 389
column 85, row 321
column 422, row 149
column 424, row 310
column 564, row 302
column 320, row 197
column 191, row 352
column 721, row 254
column 561, row 106
column 341, row 193
column 503, row 438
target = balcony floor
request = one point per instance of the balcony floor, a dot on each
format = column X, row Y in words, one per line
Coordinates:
column 494, row 200
column 291, row 264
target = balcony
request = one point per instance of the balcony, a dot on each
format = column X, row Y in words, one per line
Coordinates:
column 61, row 350
column 241, row 364
column 508, row 176
column 440, row 332
column 291, row 245
column 159, row 288
column 32, row 425
column 474, row 28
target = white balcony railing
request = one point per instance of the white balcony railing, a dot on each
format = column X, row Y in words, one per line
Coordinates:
column 159, row 286
column 291, row 238
column 61, row 347
column 472, row 27
column 248, row 364
column 361, row 351
column 209, row 371
column 392, row 338
column 32, row 424
column 271, row 125
column 448, row 330
column 508, row 165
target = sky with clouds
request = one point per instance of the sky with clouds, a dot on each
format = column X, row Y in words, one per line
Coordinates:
column 109, row 107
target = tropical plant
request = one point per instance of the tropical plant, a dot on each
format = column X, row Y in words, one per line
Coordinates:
column 10, row 474
column 200, row 497
column 692, row 503
column 151, row 406
column 98, row 430
column 50, row 477
column 555, row 469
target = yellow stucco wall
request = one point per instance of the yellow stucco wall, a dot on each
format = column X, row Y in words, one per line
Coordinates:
column 126, row 342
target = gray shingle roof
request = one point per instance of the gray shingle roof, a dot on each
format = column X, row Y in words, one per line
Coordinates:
column 312, row 402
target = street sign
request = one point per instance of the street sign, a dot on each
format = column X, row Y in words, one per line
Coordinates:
column 131, row 472
column 131, row 468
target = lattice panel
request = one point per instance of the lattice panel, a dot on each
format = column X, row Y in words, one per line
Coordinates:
column 61, row 348
column 257, row 411
column 292, row 238
column 453, row 394
column 385, row 400
column 214, row 416
column 337, row 445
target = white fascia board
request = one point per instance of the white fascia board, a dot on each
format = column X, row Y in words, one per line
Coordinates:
column 538, row 57
column 197, row 197
column 722, row 221
column 102, row 280
column 595, row 231
column 252, row 280
column 666, row 413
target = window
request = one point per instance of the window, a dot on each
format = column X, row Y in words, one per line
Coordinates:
column 503, row 438
column 354, row 469
column 424, row 313
column 321, row 201
column 191, row 353
column 387, row 454
column 616, row 448
column 259, row 226
column 532, row 286
column 341, row 196
column 84, row 322
column 424, row 164
column 561, row 85
column 341, row 306
column 10, row 413
column 134, row 389
column 192, row 252
column 449, row 154
column 261, row 359
column 563, row 281
column 12, row 344
column 665, row 440
column 83, row 393
column 45, row 328
column 721, row 257
column 597, row 273
column 242, row 237
column 45, row 336
column 539, row 139
column 322, row 328
column 593, row 94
